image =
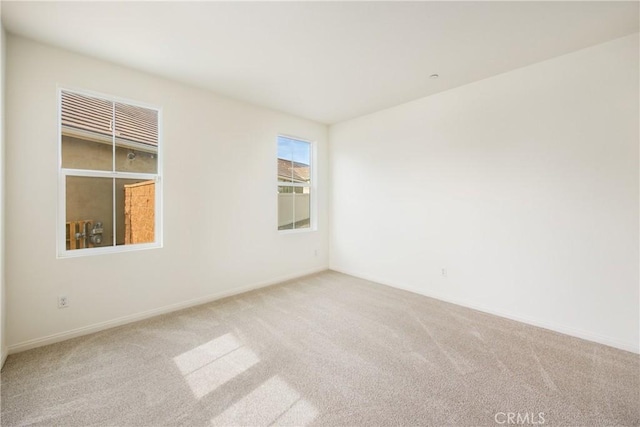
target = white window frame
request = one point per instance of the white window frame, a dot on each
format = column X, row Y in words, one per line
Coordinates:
column 313, row 208
column 63, row 173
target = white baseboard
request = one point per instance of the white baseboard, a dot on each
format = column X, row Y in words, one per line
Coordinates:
column 96, row 327
column 4, row 355
column 589, row 336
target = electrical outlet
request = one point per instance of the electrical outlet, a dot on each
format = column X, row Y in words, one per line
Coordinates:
column 444, row 272
column 315, row 252
column 63, row 301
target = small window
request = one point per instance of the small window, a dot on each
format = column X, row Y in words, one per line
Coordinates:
column 295, row 197
column 109, row 175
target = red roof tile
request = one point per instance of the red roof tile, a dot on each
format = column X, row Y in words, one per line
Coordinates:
column 293, row 171
column 95, row 115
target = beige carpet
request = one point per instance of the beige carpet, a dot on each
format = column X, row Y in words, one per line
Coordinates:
column 327, row 349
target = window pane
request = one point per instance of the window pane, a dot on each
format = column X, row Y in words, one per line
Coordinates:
column 294, row 158
column 89, row 206
column 136, row 130
column 107, row 136
column 302, row 208
column 285, row 170
column 135, row 211
column 294, row 205
column 285, row 208
column 285, row 159
column 86, row 132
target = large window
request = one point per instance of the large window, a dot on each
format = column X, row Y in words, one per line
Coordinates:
column 295, row 198
column 110, row 166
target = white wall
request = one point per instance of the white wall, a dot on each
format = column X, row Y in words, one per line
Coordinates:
column 3, row 311
column 220, row 202
column 523, row 186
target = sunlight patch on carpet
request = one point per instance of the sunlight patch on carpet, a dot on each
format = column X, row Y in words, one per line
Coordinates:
column 274, row 400
column 211, row 365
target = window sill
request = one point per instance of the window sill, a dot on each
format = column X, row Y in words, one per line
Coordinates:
column 77, row 253
column 297, row 231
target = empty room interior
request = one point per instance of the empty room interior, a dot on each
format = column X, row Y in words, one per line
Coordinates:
column 320, row 213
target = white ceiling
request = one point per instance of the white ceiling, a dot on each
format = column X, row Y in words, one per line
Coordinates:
column 327, row 61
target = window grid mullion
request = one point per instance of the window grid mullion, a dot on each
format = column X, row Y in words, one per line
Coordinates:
column 113, row 212
column 293, row 184
column 107, row 174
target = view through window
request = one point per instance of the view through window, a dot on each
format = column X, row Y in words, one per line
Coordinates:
column 294, row 184
column 109, row 163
